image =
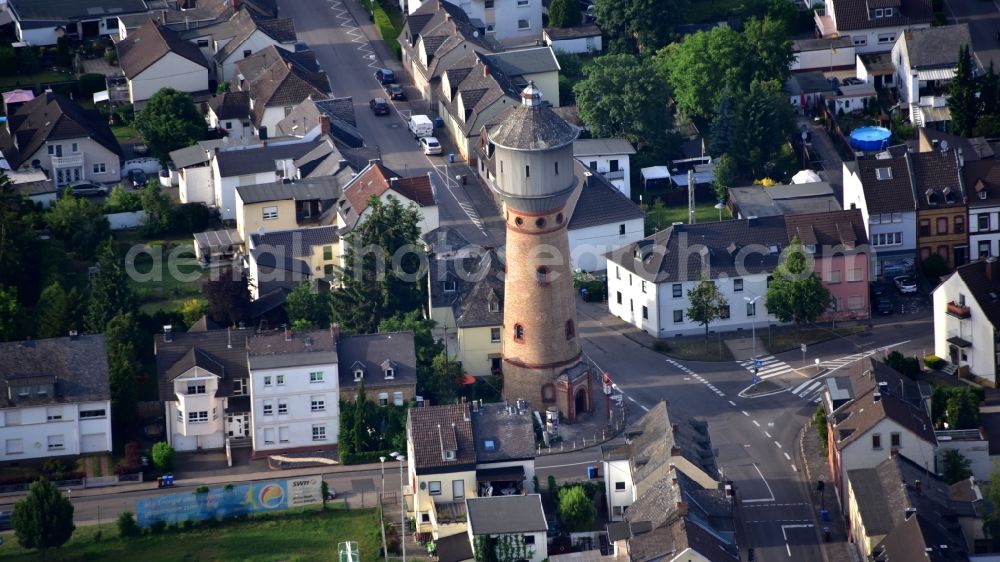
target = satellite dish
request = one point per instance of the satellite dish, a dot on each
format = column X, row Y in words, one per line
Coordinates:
column 475, row 33
column 944, row 145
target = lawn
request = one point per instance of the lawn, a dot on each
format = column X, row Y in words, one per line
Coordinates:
column 775, row 340
column 302, row 536
column 125, row 133
column 43, row 77
column 788, row 338
column 696, row 348
column 165, row 281
column 660, row 216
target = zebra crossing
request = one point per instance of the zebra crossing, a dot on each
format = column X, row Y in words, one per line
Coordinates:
column 770, row 366
column 811, row 390
column 471, row 212
column 842, row 361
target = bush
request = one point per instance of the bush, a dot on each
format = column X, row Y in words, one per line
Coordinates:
column 819, row 423
column 163, row 456
column 90, row 83
column 121, row 200
column 127, row 527
column 934, row 266
column 110, row 56
column 387, row 31
column 158, row 527
column 933, row 362
column 191, row 217
column 201, row 489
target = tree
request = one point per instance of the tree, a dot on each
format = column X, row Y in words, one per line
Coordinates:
column 991, row 493
column 768, row 44
column 955, row 466
column 820, row 424
column 724, row 125
column 192, row 311
column 962, row 103
column 764, row 122
column 706, row 304
column 78, row 223
column 121, row 336
column 623, row 96
column 308, row 306
column 8, row 61
column 724, row 176
column 700, row 68
column 989, row 92
column 58, row 311
column 44, row 518
column 10, row 310
column 576, row 510
column 564, row 13
column 636, row 26
column 122, row 201
column 228, row 297
column 110, row 294
column 27, row 61
column 170, row 121
column 962, row 409
column 127, row 527
column 909, row 366
column 159, row 210
column 443, row 379
column 163, row 456
column 384, row 269
column 988, row 126
column 20, row 258
column 796, row 294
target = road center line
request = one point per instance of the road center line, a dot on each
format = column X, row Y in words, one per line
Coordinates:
column 787, row 457
column 768, row 434
column 778, row 444
column 755, row 423
column 731, row 403
column 745, row 413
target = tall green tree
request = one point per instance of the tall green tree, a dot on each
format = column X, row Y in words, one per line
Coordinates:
column 796, row 294
column 43, row 519
column 576, row 510
column 10, row 311
column 636, row 26
column 623, row 96
column 427, row 348
column 78, row 223
column 724, row 175
column 123, row 368
column 962, row 103
column 989, row 92
column 768, row 45
column 110, row 294
column 192, row 310
column 170, row 121
column 955, row 467
column 228, row 297
column 384, row 269
column 724, row 124
column 444, row 379
column 706, row 304
column 991, row 493
column 764, row 123
column 700, row 68
column 159, row 210
column 564, row 13
column 962, row 409
column 58, row 311
column 20, row 258
column 308, row 306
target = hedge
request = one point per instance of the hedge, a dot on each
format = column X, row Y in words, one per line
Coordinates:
column 389, row 33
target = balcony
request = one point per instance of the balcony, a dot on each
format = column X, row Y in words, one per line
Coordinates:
column 959, row 311
column 955, row 338
column 74, row 161
column 615, row 175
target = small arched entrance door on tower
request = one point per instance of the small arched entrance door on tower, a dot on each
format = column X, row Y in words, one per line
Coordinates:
column 581, row 403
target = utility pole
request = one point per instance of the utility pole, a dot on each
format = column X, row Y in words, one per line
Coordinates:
column 381, row 511
column 691, row 217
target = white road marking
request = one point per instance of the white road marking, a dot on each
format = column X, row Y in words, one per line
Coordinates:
column 778, row 444
column 785, row 535
column 787, row 457
column 768, row 434
column 745, row 413
column 755, row 423
column 731, row 403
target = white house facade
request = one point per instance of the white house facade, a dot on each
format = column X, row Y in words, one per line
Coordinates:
column 608, row 157
column 966, row 307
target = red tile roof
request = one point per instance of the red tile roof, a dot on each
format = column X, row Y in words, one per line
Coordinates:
column 376, row 179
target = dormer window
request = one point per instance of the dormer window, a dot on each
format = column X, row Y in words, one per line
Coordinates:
column 390, row 374
column 929, row 194
column 389, row 369
column 494, row 306
column 449, row 455
column 887, row 13
column 983, row 195
column 883, row 173
column 448, row 286
column 878, row 12
column 811, row 248
column 489, row 445
column 359, row 375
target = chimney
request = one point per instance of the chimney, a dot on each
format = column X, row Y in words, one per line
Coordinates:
column 486, row 70
column 878, row 397
column 675, row 451
column 919, row 487
column 335, row 332
column 168, row 335
column 288, row 333
column 236, row 5
column 324, row 124
column 682, row 509
column 910, row 512
column 74, row 335
column 993, row 270
column 893, row 452
column 229, row 337
column 675, row 426
column 394, row 182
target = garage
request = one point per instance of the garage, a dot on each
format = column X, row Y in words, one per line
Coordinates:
column 94, row 443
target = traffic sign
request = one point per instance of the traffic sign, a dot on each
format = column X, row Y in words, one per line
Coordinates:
column 757, row 363
column 755, row 379
column 803, row 348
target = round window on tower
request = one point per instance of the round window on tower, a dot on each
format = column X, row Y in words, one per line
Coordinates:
column 518, row 221
column 559, row 218
column 540, row 222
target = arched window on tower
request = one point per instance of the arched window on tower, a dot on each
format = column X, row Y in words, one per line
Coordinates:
column 570, row 330
column 518, row 333
column 542, row 273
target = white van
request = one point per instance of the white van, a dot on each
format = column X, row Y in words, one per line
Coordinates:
column 421, row 126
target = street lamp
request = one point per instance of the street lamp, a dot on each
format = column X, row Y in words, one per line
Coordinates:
column 402, row 507
column 381, row 510
column 753, row 329
column 720, row 206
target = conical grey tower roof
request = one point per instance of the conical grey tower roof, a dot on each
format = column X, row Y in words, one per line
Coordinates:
column 533, row 126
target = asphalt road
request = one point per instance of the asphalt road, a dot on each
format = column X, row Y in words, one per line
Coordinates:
column 983, row 17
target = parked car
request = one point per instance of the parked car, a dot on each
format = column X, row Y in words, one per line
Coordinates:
column 5, row 523
column 906, row 284
column 385, row 76
column 139, row 179
column 420, row 126
column 379, row 106
column 877, row 289
column 883, row 306
column 852, row 82
column 395, row 92
column 430, row 145
column 88, row 190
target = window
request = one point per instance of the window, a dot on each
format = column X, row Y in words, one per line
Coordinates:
column 327, row 253
column 489, row 445
column 676, row 288
column 542, row 274
column 833, row 276
column 397, row 398
column 876, row 441
column 527, row 171
column 619, row 297
column 198, row 417
column 268, row 436
column 316, row 376
column 268, row 407
column 854, row 275
column 925, row 227
column 860, row 41
column 247, row 53
column 878, row 12
column 983, row 221
column 100, row 168
column 523, row 24
column 457, row 489
column 56, row 442
column 522, row 3
column 489, row 4
column 319, row 432
column 93, row 413
column 570, row 330
column 619, row 486
column 239, row 387
column 942, row 225
column 267, row 380
column 359, row 374
column 280, row 380
column 282, row 407
column 528, row 539
column 317, row 404
column 629, row 279
column 556, row 165
column 737, row 285
column 494, row 306
column 494, row 335
column 448, row 286
column 959, row 225
column 886, row 38
column 618, row 272
column 855, row 302
column 618, row 510
column 383, row 398
column 643, row 287
column 15, row 447
column 229, row 125
column 196, row 388
column 645, row 312
column 888, row 12
column 984, row 248
column 52, row 149
column 724, row 313
column 74, row 148
column 519, row 331
column 54, row 414
column 270, row 213
column 894, row 439
column 203, row 42
column 678, row 316
column 434, row 488
column 283, row 434
column 621, row 230
column 751, row 309
column 887, row 239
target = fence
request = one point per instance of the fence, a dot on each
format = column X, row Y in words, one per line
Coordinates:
column 126, row 220
column 95, row 482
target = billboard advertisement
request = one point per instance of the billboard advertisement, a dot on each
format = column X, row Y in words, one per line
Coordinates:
column 240, row 499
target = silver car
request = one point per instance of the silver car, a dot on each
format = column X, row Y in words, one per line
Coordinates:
column 906, row 284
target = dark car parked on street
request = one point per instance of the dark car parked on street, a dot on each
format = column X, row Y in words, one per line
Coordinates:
column 385, row 76
column 379, row 106
column 883, row 305
column 395, row 92
column 139, row 179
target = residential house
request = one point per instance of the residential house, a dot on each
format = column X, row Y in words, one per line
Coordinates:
column 465, row 293
column 310, row 115
column 56, row 398
column 982, row 183
column 277, row 80
column 971, row 149
column 873, row 27
column 874, row 424
column 43, row 22
column 35, row 186
column 204, row 385
column 967, row 318
column 861, row 377
column 460, row 451
column 513, row 522
column 822, row 54
column 883, row 497
column 155, row 57
column 287, row 205
column 72, row 145
column 806, row 90
column 510, row 22
column 939, row 190
column 585, row 39
column 434, row 37
column 790, row 199
column 287, row 258
column 608, row 157
column 653, row 447
column 386, row 363
column 851, row 98
column 295, row 391
column 916, row 538
column 241, row 35
column 229, row 113
column 648, row 280
column 876, row 69
column 376, row 180
column 839, row 246
column 881, row 188
column 926, row 60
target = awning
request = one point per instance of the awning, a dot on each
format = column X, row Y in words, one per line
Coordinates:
column 101, row 96
column 955, row 340
column 936, row 74
column 655, row 173
column 504, row 474
column 218, row 239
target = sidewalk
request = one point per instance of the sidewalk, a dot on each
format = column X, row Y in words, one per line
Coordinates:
column 822, row 145
column 813, row 461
